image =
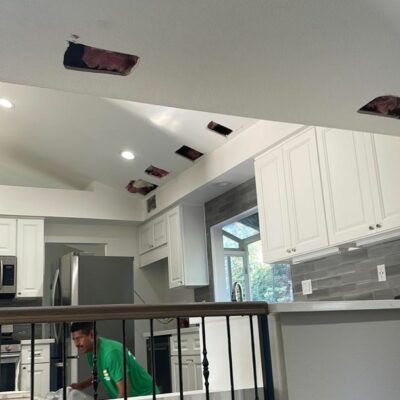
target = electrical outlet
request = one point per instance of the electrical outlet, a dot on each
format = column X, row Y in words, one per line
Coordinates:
column 381, row 272
column 306, row 286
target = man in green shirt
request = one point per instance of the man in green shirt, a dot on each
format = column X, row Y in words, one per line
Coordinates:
column 110, row 364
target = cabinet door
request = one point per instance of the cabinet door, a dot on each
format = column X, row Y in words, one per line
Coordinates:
column 159, row 231
column 346, row 184
column 386, row 160
column 30, row 257
column 191, row 373
column 8, row 237
column 175, row 248
column 41, row 379
column 146, row 238
column 272, row 206
column 304, row 193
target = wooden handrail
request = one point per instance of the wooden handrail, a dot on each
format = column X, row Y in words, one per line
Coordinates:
column 128, row 311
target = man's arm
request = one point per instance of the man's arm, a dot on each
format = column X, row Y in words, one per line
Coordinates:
column 120, row 387
column 82, row 384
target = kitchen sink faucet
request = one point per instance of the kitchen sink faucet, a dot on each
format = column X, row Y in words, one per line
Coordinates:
column 237, row 285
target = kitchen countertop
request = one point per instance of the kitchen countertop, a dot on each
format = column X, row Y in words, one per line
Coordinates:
column 15, row 395
column 191, row 329
column 322, row 306
column 38, row 341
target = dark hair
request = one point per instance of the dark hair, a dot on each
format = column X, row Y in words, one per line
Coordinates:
column 84, row 326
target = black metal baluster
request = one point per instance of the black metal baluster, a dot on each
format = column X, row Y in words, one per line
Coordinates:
column 180, row 358
column 32, row 361
column 124, row 359
column 0, row 352
column 228, row 328
column 64, row 360
column 153, row 358
column 253, row 356
column 95, row 371
column 266, row 357
column 206, row 372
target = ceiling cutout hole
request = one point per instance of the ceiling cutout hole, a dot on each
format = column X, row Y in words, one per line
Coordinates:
column 383, row 106
column 140, row 186
column 222, row 130
column 155, row 171
column 189, row 153
column 81, row 57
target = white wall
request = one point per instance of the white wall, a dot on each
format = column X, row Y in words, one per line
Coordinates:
column 98, row 202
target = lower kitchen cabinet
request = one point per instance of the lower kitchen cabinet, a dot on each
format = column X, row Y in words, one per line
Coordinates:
column 41, row 371
column 191, row 373
column 41, row 380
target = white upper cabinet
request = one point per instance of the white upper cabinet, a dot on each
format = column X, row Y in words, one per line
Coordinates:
column 152, row 234
column 187, row 258
column 385, row 159
column 30, row 257
column 272, row 206
column 346, row 183
column 8, row 237
column 305, row 201
column 290, row 202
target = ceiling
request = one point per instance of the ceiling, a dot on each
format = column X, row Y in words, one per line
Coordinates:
column 59, row 139
column 313, row 62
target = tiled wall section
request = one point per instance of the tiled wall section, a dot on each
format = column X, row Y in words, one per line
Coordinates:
column 351, row 275
column 231, row 203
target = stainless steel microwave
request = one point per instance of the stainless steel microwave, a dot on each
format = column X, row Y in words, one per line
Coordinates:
column 8, row 276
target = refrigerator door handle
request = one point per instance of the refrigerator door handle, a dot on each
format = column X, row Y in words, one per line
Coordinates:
column 56, row 282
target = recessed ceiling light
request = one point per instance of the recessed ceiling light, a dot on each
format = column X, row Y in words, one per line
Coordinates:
column 6, row 103
column 128, row 155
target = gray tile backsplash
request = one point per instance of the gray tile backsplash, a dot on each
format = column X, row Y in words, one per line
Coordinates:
column 351, row 275
column 346, row 276
column 235, row 201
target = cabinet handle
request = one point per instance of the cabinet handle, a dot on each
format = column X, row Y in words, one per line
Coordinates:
column 294, row 249
column 379, row 225
column 288, row 251
column 371, row 227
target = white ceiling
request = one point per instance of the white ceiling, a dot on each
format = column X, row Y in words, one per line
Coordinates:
column 312, row 62
column 60, row 139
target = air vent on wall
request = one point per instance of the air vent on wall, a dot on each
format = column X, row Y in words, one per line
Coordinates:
column 222, row 130
column 151, row 203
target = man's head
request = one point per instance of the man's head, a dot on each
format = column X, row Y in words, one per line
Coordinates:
column 82, row 335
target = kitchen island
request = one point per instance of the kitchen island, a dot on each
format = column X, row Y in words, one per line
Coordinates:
column 336, row 350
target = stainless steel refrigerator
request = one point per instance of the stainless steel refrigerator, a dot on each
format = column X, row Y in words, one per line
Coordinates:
column 90, row 280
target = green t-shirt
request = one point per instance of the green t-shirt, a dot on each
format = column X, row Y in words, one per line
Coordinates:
column 110, row 367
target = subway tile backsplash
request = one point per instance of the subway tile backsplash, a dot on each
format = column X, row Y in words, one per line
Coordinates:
column 351, row 275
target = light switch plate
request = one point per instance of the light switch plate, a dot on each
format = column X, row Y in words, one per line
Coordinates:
column 306, row 287
column 381, row 272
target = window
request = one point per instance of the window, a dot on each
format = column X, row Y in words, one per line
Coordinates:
column 243, row 263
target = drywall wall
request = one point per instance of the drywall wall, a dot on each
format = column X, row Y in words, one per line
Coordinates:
column 97, row 202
